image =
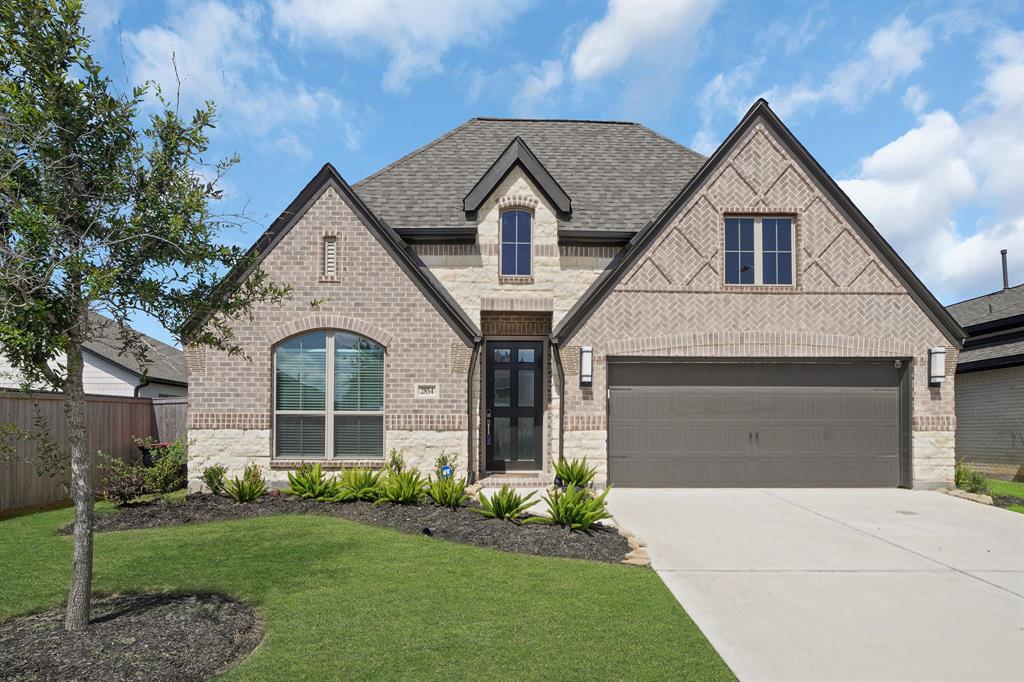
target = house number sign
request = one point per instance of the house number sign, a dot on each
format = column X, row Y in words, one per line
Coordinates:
column 429, row 391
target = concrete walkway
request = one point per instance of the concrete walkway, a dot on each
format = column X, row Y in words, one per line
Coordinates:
column 820, row 585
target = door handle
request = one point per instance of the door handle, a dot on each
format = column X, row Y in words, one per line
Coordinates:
column 757, row 436
column 487, row 428
column 750, row 436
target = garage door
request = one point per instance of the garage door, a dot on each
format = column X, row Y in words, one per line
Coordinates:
column 701, row 424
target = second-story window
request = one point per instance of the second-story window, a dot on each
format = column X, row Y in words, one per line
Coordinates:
column 516, row 251
column 759, row 251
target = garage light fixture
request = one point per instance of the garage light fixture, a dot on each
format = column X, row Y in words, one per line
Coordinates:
column 936, row 365
column 586, row 366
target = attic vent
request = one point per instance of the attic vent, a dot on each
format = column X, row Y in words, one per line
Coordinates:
column 330, row 257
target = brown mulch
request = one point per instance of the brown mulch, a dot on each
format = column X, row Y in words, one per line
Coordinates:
column 601, row 543
column 165, row 636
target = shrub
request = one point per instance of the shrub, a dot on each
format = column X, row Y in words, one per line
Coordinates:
column 122, row 482
column 358, row 484
column 448, row 492
column 213, row 477
column 404, row 487
column 443, row 460
column 310, row 483
column 970, row 479
column 575, row 508
column 396, row 461
column 575, row 474
column 170, row 468
column 504, row 504
column 250, row 487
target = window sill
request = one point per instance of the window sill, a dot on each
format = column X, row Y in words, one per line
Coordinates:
column 760, row 288
column 328, row 463
column 514, row 279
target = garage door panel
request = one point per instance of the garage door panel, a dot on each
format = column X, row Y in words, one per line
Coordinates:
column 776, row 434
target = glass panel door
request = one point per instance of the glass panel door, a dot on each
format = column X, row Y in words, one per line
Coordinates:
column 513, row 420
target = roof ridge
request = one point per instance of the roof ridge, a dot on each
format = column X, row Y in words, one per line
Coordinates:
column 991, row 293
column 395, row 164
column 555, row 120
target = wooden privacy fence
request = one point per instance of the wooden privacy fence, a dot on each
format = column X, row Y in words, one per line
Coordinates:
column 112, row 423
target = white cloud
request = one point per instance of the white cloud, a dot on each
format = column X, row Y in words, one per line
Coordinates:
column 537, row 86
column 914, row 187
column 893, row 52
column 100, row 15
column 415, row 35
column 217, row 52
column 631, row 29
column 723, row 92
column 915, row 99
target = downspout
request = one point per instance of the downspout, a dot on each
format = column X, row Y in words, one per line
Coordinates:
column 471, row 460
column 561, row 399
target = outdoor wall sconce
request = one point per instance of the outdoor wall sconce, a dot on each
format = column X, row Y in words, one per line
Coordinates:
column 586, row 366
column 936, row 366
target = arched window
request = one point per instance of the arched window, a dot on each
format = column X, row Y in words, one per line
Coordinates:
column 329, row 397
column 516, row 240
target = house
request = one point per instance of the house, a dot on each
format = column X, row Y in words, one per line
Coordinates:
column 107, row 372
column 518, row 291
column 990, row 381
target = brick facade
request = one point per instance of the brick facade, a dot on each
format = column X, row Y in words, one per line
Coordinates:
column 230, row 397
column 844, row 303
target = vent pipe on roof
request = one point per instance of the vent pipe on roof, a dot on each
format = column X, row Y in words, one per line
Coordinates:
column 1006, row 273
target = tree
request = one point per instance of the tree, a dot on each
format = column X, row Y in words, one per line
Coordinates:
column 101, row 208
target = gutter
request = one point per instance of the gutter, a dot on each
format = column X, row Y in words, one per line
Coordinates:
column 470, row 467
column 561, row 398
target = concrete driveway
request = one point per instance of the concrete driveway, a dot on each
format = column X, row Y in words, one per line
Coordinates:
column 821, row 585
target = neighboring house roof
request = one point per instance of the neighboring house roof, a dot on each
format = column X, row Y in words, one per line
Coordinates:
column 403, row 255
column 995, row 327
column 606, row 282
column 167, row 362
column 619, row 175
column 990, row 307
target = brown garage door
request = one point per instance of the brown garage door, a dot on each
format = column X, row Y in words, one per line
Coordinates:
column 704, row 424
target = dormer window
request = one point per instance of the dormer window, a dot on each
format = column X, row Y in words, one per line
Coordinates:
column 516, row 244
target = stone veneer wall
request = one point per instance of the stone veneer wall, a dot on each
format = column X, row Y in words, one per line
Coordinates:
column 844, row 302
column 230, row 398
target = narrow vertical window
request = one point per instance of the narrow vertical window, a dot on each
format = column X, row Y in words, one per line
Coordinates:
column 777, row 251
column 739, row 251
column 330, row 257
column 516, row 240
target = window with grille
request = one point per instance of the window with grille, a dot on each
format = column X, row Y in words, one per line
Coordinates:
column 329, row 397
column 759, row 251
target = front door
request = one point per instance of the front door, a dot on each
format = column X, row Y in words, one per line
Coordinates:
column 513, row 422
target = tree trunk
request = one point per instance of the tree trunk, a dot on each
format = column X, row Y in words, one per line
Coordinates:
column 80, row 593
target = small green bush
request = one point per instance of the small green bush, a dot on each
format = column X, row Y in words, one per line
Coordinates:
column 970, row 479
column 170, row 468
column 250, row 487
column 445, row 459
column 576, row 508
column 448, row 492
column 213, row 477
column 122, row 482
column 575, row 474
column 404, row 487
column 310, row 483
column 505, row 504
column 359, row 483
column 396, row 461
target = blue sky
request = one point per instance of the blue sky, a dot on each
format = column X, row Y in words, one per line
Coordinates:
column 917, row 109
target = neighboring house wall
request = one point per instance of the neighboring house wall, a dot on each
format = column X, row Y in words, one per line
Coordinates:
column 100, row 376
column 157, row 389
column 844, row 303
column 990, row 420
column 231, row 397
column 470, row 272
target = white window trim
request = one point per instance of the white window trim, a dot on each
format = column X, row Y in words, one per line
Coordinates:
column 501, row 241
column 759, row 251
column 329, row 403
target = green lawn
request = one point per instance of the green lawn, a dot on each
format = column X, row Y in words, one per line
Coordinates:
column 1000, row 487
column 344, row 600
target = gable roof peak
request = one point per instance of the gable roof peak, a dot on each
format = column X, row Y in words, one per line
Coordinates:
column 517, row 153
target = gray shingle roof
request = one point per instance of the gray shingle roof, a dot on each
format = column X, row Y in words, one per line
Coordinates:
column 618, row 175
column 167, row 362
column 990, row 307
column 1004, row 350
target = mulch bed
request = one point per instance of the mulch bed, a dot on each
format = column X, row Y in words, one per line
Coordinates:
column 1006, row 500
column 601, row 543
column 132, row 637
